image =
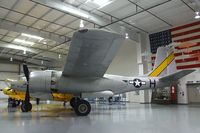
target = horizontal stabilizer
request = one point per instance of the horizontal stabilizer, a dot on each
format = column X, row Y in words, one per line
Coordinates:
column 177, row 75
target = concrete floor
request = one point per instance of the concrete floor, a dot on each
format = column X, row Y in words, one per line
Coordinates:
column 129, row 118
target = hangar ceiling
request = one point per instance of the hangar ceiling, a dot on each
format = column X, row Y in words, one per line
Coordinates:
column 55, row 21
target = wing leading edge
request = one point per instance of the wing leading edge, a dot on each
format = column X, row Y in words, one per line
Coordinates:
column 91, row 52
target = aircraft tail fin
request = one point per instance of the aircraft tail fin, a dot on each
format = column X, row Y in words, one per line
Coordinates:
column 164, row 62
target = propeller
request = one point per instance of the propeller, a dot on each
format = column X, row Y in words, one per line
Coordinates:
column 27, row 95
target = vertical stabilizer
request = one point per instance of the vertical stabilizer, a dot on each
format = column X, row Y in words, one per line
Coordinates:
column 164, row 62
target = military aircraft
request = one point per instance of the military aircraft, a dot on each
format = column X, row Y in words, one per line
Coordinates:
column 90, row 54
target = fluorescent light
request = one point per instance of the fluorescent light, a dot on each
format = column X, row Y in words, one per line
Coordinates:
column 197, row 16
column 81, row 24
column 75, row 11
column 32, row 36
column 23, row 41
column 16, row 47
column 126, row 36
column 101, row 3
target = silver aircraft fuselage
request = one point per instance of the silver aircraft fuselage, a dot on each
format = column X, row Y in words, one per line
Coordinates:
column 52, row 81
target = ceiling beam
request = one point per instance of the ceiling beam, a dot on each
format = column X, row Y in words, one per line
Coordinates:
column 15, row 61
column 86, row 16
column 121, row 19
column 11, row 26
column 32, row 16
column 17, row 47
column 188, row 5
column 37, row 51
column 20, row 58
column 151, row 13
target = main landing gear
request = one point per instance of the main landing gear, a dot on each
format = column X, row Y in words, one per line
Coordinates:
column 26, row 107
column 80, row 106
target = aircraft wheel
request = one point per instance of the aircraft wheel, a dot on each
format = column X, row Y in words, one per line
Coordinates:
column 110, row 99
column 82, row 108
column 26, row 107
column 73, row 101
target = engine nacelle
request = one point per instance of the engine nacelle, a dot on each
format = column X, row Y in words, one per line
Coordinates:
column 40, row 81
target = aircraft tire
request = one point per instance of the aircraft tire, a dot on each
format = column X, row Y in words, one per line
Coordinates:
column 26, row 107
column 82, row 108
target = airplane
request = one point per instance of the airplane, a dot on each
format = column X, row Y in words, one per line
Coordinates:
column 90, row 54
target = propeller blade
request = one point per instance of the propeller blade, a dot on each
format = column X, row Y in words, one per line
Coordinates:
column 26, row 72
column 27, row 95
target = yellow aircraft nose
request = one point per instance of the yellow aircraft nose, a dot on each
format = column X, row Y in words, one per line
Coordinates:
column 7, row 90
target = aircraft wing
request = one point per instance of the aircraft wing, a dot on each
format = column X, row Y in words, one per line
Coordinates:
column 91, row 52
column 177, row 75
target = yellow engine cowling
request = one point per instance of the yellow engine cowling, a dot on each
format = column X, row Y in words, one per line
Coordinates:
column 62, row 97
column 20, row 95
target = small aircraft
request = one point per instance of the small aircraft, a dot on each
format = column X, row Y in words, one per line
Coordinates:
column 90, row 54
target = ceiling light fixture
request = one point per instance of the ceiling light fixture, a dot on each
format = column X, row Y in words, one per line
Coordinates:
column 44, row 42
column 12, row 46
column 32, row 36
column 126, row 36
column 24, row 52
column 81, row 24
column 11, row 59
column 59, row 56
column 23, row 41
column 197, row 16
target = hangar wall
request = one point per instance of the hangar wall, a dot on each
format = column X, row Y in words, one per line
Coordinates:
column 125, row 64
column 130, row 61
column 188, row 88
column 7, row 70
column 11, row 70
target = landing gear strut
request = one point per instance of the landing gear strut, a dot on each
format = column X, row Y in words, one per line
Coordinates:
column 80, row 106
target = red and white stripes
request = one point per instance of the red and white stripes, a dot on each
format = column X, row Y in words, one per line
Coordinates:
column 186, row 41
column 187, row 50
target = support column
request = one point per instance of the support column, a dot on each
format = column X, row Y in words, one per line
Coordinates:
column 144, row 64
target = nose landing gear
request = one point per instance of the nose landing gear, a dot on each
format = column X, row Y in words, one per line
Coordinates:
column 80, row 106
column 13, row 103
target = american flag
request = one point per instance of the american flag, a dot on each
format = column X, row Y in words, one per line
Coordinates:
column 186, row 41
